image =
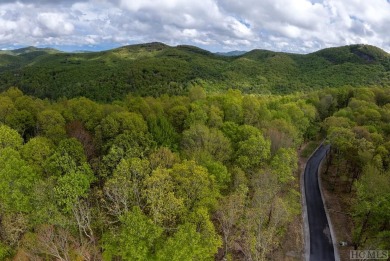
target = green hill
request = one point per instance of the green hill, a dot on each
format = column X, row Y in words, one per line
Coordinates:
column 156, row 68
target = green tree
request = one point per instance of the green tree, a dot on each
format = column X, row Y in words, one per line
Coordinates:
column 9, row 138
column 193, row 184
column 124, row 189
column 16, row 182
column 253, row 152
column 72, row 186
column 22, row 121
column 135, row 239
column 284, row 164
column 163, row 205
column 51, row 124
column 36, row 151
column 200, row 140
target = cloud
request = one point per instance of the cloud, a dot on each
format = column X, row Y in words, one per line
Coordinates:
column 296, row 26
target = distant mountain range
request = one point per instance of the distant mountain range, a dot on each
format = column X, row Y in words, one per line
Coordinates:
column 29, row 49
column 156, row 68
column 231, row 53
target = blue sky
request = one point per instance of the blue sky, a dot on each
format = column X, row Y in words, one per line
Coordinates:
column 299, row 26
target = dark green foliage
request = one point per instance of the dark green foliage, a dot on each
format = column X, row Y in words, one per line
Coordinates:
column 181, row 177
column 154, row 69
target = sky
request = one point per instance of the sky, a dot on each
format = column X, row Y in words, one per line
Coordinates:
column 299, row 26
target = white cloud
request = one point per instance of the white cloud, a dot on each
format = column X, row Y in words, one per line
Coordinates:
column 298, row 26
column 55, row 22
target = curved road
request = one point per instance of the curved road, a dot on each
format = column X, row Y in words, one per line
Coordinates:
column 321, row 246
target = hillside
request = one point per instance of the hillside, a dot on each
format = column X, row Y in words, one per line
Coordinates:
column 156, row 68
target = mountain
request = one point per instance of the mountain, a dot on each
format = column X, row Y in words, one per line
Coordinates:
column 231, row 53
column 29, row 49
column 156, row 68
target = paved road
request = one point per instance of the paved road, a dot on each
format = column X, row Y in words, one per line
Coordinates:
column 321, row 247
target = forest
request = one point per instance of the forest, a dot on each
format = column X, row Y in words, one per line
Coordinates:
column 154, row 69
column 201, row 175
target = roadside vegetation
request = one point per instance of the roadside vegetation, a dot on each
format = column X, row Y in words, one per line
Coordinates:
column 192, row 174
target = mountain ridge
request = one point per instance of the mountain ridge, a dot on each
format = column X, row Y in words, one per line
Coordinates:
column 156, row 68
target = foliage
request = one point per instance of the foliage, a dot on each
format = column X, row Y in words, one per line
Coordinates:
column 197, row 177
column 155, row 69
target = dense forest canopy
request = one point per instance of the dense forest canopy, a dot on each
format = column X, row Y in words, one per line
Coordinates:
column 152, row 152
column 155, row 68
column 200, row 176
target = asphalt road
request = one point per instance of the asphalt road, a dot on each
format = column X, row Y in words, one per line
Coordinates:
column 321, row 247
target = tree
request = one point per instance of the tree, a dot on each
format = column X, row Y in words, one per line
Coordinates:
column 22, row 121
column 123, row 190
column 51, row 124
column 284, row 164
column 7, row 108
column 163, row 132
column 199, row 140
column 253, row 152
column 193, row 184
column 36, row 151
column 163, row 158
column 72, row 186
column 83, row 110
column 232, row 106
column 229, row 212
column 186, row 244
column 163, row 205
column 135, row 239
column 371, row 209
column 50, row 241
column 16, row 182
column 196, row 93
column 9, row 138
column 177, row 115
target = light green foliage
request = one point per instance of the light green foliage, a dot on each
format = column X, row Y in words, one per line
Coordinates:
column 124, row 189
column 197, row 114
column 36, row 151
column 68, row 156
column 358, row 134
column 134, row 144
column 186, row 244
column 163, row 205
column 215, row 117
column 84, row 110
column 170, row 178
column 194, row 184
column 21, row 121
column 9, row 138
column 232, row 106
column 135, row 240
column 196, row 93
column 341, row 138
column 372, row 207
column 219, row 172
column 284, row 164
column 51, row 124
column 334, row 121
column 253, row 152
column 5, row 251
column 72, row 186
column 16, row 182
column 73, row 148
column 7, row 107
column 199, row 139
